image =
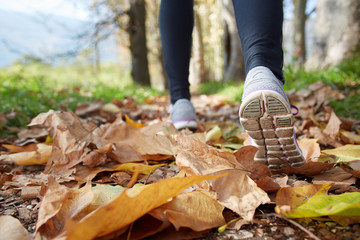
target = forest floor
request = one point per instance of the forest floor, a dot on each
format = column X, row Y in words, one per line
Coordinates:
column 25, row 183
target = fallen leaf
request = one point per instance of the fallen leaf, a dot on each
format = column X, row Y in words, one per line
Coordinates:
column 82, row 109
column 345, row 153
column 350, row 137
column 16, row 148
column 336, row 176
column 323, row 139
column 310, row 149
column 85, row 174
column 116, row 215
column 343, row 208
column 352, row 167
column 11, row 228
column 241, row 193
column 132, row 123
column 245, row 156
column 60, row 203
column 110, row 107
column 214, row 134
column 39, row 156
column 289, row 198
column 196, row 210
column 333, row 126
column 268, row 184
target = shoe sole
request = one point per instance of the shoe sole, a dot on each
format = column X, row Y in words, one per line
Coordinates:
column 267, row 118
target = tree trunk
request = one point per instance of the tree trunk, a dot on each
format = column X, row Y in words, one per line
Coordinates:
column 299, row 53
column 138, row 47
column 197, row 66
column 156, row 62
column 233, row 56
column 337, row 33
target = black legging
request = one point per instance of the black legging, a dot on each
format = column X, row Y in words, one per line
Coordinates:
column 259, row 24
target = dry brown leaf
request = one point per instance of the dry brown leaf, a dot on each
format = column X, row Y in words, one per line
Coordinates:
column 336, row 176
column 16, row 148
column 11, row 229
column 60, row 203
column 241, row 194
column 71, row 136
column 310, row 149
column 324, row 139
column 245, row 156
column 352, row 167
column 267, row 184
column 333, row 126
column 116, row 215
column 85, row 108
column 196, row 210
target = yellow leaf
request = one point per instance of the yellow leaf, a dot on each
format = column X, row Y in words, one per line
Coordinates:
column 124, row 210
column 345, row 153
column 104, row 193
column 351, row 136
column 40, row 156
column 132, row 122
column 110, row 107
column 214, row 134
column 137, row 167
column 343, row 208
column 196, row 210
column 289, row 198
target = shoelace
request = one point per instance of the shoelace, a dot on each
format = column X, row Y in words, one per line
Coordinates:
column 296, row 108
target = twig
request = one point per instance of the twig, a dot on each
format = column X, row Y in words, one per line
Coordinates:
column 294, row 223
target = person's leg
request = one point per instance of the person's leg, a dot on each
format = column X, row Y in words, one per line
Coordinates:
column 265, row 112
column 176, row 23
column 260, row 29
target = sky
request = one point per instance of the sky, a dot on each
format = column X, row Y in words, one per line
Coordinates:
column 67, row 8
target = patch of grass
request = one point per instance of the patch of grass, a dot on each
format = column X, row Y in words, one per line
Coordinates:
column 27, row 90
column 230, row 89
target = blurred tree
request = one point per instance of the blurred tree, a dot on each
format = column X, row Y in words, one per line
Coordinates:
column 156, row 61
column 124, row 17
column 138, row 47
column 233, row 56
column 197, row 65
column 299, row 52
column 337, row 33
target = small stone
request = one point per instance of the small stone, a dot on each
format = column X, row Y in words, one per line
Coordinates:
column 260, row 232
column 243, row 234
column 334, row 230
column 24, row 213
column 330, row 224
column 30, row 207
column 10, row 211
column 288, row 231
column 273, row 229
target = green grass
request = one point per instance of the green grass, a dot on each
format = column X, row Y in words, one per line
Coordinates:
column 27, row 90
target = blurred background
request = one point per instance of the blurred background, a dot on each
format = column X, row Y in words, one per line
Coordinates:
column 61, row 52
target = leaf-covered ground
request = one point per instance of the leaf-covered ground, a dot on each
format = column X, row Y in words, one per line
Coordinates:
column 120, row 171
